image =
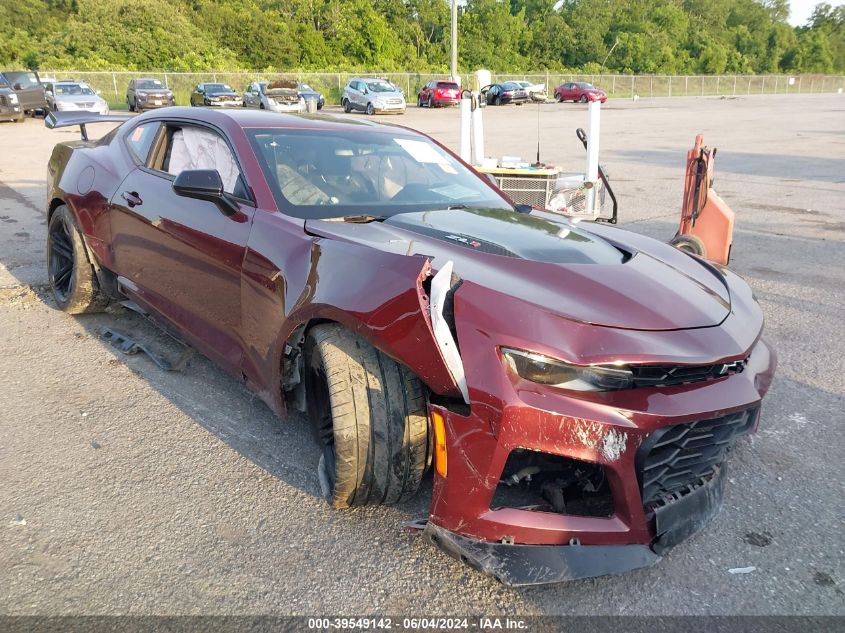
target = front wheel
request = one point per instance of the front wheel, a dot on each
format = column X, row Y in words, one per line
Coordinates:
column 370, row 109
column 71, row 274
column 583, row 99
column 369, row 415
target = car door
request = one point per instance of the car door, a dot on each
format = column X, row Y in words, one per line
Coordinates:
column 253, row 96
column 181, row 256
column 360, row 96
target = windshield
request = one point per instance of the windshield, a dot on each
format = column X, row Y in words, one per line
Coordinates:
column 344, row 173
column 149, row 84
column 73, row 89
column 380, row 86
column 218, row 88
column 26, row 80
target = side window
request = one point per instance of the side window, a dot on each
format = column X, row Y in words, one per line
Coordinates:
column 141, row 139
column 190, row 147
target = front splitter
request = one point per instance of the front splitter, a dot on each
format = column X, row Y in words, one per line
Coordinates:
column 521, row 565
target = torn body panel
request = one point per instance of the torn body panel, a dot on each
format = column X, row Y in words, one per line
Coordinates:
column 330, row 280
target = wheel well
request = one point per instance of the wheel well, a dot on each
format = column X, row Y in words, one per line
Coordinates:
column 55, row 203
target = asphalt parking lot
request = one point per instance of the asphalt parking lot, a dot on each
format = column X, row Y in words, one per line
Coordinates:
column 126, row 489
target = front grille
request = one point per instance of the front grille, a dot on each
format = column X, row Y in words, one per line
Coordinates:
column 675, row 457
column 86, row 104
column 669, row 375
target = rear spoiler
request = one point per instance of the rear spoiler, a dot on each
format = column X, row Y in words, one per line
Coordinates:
column 54, row 120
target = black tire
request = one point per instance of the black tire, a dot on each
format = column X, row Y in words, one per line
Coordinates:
column 129, row 105
column 689, row 244
column 419, row 101
column 370, row 109
column 430, row 102
column 347, row 107
column 71, row 274
column 583, row 99
column 261, row 106
column 497, row 101
column 369, row 415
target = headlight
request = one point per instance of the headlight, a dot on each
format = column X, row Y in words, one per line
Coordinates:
column 13, row 98
column 550, row 371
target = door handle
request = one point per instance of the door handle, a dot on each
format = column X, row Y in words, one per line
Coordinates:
column 132, row 198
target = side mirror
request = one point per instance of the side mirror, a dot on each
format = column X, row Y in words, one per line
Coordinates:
column 49, row 93
column 204, row 184
column 17, row 87
column 365, row 91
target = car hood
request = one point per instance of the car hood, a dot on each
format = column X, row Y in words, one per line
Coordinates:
column 223, row 93
column 554, row 265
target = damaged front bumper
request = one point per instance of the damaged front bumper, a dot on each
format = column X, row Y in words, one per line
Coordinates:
column 520, row 565
column 628, row 438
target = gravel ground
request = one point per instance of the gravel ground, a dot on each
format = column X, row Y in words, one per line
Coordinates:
column 126, row 489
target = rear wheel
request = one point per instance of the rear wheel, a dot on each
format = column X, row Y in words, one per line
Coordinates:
column 71, row 274
column 689, row 244
column 347, row 107
column 497, row 101
column 430, row 102
column 369, row 415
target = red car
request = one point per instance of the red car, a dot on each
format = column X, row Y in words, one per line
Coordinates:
column 439, row 93
column 577, row 388
column 579, row 91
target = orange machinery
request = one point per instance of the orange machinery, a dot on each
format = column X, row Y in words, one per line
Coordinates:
column 707, row 223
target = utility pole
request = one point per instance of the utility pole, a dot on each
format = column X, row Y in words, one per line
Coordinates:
column 454, row 66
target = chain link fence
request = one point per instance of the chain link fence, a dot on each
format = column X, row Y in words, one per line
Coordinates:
column 113, row 85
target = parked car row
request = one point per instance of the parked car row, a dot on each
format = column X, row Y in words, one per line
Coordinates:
column 23, row 92
column 441, row 93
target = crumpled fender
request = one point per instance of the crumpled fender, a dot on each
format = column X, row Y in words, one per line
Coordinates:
column 335, row 282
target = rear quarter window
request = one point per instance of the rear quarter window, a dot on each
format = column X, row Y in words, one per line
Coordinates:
column 140, row 139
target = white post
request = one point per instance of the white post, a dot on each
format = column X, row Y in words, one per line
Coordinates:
column 592, row 175
column 466, row 125
column 477, row 131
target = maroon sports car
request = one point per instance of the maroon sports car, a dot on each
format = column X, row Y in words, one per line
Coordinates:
column 577, row 388
column 582, row 91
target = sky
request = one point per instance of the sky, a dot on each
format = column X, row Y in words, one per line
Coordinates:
column 801, row 10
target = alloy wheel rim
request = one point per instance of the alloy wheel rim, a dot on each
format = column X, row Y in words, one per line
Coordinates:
column 62, row 260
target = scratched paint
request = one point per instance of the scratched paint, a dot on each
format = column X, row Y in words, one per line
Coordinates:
column 613, row 444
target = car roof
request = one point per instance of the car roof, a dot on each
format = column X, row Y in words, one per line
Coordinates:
column 254, row 118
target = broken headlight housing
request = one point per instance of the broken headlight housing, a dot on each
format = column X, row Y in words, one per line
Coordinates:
column 557, row 373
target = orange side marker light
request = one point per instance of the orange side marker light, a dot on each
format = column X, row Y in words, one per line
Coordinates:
column 439, row 425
